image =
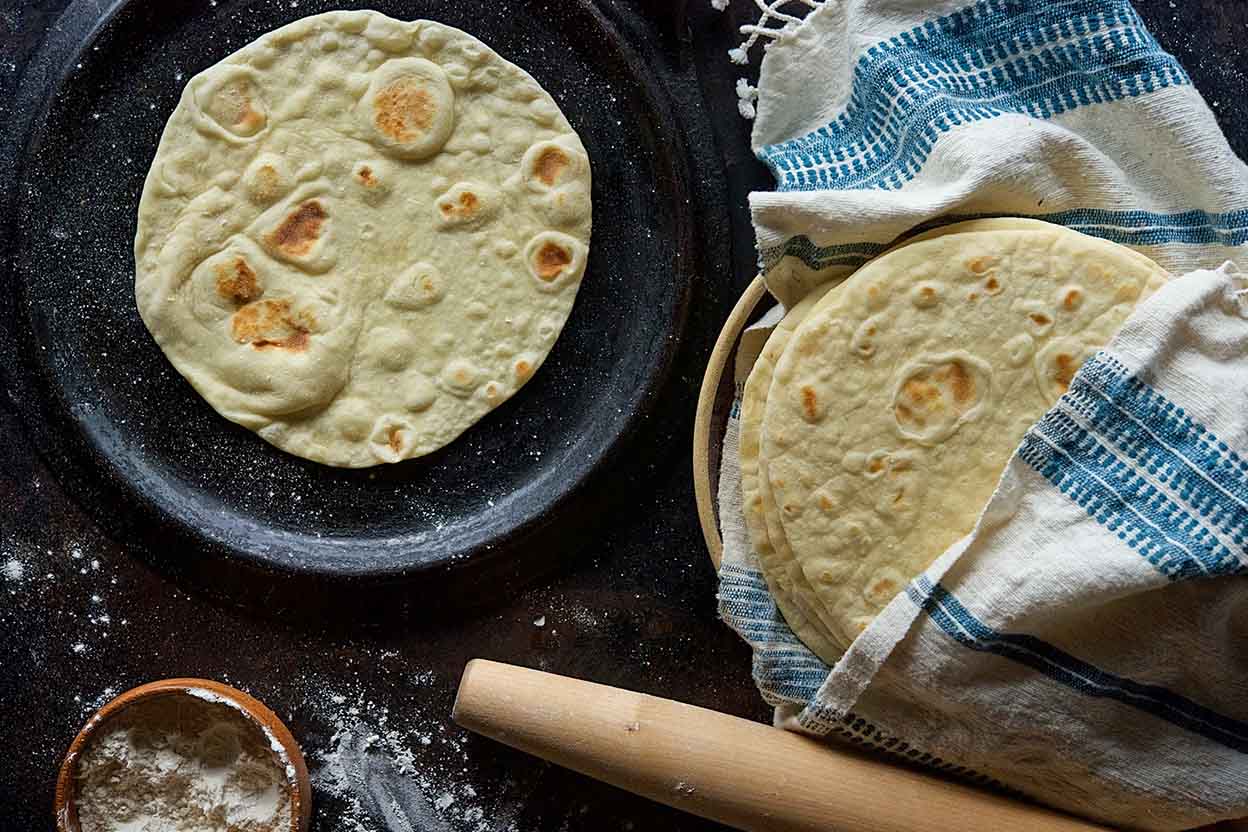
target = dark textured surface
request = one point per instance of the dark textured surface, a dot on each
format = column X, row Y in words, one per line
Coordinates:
column 189, row 477
column 631, row 601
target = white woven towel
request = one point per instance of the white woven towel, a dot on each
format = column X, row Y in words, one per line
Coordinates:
column 1087, row 644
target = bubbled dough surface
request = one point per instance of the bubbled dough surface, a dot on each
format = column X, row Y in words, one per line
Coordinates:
column 898, row 401
column 786, row 581
column 360, row 235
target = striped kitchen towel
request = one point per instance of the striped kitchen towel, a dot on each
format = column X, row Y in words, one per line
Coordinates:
column 1087, row 643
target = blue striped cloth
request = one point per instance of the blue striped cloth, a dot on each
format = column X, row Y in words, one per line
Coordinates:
column 1087, row 644
column 882, row 118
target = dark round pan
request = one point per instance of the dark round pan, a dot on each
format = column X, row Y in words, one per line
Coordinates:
column 157, row 465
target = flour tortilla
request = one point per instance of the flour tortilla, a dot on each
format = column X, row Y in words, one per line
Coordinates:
column 358, row 235
column 901, row 396
column 1010, row 224
column 786, row 581
column 806, row 615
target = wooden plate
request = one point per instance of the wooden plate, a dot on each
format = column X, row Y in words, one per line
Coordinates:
column 714, row 407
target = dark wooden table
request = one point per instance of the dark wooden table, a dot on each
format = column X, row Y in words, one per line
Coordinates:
column 634, row 606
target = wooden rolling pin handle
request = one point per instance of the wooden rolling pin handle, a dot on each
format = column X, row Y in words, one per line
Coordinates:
column 731, row 770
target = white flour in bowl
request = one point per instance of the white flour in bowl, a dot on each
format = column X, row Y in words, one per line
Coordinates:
column 181, row 763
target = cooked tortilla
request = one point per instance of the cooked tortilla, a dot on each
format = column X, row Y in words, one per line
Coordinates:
column 899, row 399
column 359, row 235
column 786, row 581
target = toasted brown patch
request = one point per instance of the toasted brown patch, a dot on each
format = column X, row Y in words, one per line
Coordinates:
column 268, row 182
column 297, row 341
column 810, row 404
column 884, row 586
column 550, row 260
column 1072, row 299
column 403, row 109
column 992, row 285
column 236, row 281
column 269, row 323
column 906, row 415
column 253, row 321
column 973, row 296
column 300, row 230
column 875, row 466
column 961, row 382
column 395, row 439
column 934, row 398
column 549, row 164
column 367, row 178
column 523, row 370
column 899, row 496
column 233, row 107
column 1040, row 320
column 927, row 291
column 825, row 503
column 920, row 392
column 465, row 207
column 979, row 265
column 1066, row 367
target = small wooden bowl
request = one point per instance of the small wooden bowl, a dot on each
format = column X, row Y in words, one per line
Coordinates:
column 714, row 406
column 64, row 808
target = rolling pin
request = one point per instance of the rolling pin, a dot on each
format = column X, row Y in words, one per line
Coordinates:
column 740, row 773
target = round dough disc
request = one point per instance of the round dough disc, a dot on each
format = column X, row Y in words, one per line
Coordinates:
column 899, row 399
column 359, row 235
column 786, row 581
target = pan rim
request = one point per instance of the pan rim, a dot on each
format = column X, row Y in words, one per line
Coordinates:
column 47, row 402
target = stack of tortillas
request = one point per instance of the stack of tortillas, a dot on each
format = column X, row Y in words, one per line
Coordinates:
column 882, row 410
column 360, row 235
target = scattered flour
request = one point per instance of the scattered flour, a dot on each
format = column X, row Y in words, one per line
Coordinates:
column 14, row 570
column 179, row 762
column 386, row 777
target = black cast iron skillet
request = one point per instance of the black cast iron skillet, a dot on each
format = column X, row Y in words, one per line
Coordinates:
column 157, row 466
